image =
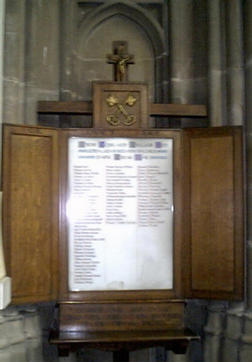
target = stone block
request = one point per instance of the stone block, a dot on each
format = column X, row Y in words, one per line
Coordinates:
column 247, row 336
column 230, row 350
column 70, row 358
column 14, row 353
column 245, row 353
column 5, row 355
column 217, row 103
column 3, row 337
column 235, row 96
column 32, row 328
column 249, row 170
column 173, row 357
column 182, row 90
column 248, row 90
column 214, row 323
column 234, row 326
column 212, row 348
column 13, row 331
column 249, row 252
column 142, row 355
column 34, row 350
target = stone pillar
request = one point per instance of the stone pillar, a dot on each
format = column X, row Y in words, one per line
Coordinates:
column 14, row 61
column 42, row 55
column 214, row 330
column 181, row 61
column 246, row 339
column 248, row 92
column 216, row 64
column 67, row 39
column 12, row 336
column 2, row 28
column 2, row 21
column 235, row 69
column 232, row 334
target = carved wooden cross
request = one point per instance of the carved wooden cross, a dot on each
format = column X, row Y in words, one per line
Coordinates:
column 120, row 59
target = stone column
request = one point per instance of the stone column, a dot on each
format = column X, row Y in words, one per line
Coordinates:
column 233, row 333
column 67, row 41
column 248, row 92
column 42, row 55
column 214, row 330
column 216, row 64
column 181, row 62
column 14, row 61
column 2, row 28
column 246, row 347
column 235, row 69
column 235, row 116
column 2, row 20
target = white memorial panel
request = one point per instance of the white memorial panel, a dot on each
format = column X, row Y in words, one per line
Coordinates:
column 120, row 214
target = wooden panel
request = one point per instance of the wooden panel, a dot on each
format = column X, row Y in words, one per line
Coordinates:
column 214, row 205
column 114, row 316
column 30, row 186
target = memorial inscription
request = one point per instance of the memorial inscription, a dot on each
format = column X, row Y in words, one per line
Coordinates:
column 120, row 213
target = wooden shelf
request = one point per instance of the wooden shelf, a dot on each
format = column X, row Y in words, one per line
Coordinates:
column 175, row 340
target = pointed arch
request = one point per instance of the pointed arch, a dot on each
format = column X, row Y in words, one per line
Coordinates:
column 134, row 12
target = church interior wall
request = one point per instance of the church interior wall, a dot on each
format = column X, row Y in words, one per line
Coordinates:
column 189, row 51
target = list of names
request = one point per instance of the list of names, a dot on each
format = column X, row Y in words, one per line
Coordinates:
column 120, row 214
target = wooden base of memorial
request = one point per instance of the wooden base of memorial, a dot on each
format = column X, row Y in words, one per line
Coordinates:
column 121, row 325
column 121, row 343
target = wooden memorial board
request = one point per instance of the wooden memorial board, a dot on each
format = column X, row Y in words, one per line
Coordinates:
column 202, row 225
column 117, row 232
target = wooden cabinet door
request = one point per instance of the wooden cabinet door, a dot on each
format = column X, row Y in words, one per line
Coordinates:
column 213, row 222
column 30, row 211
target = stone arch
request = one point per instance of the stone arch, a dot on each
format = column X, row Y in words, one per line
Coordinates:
column 139, row 16
column 134, row 12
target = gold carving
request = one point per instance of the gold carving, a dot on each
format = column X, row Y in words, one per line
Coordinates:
column 130, row 120
column 111, row 100
column 113, row 119
column 131, row 100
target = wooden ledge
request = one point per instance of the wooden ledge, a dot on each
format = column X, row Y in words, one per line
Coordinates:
column 156, row 109
column 175, row 340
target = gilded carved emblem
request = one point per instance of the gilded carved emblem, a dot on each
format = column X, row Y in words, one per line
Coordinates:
column 120, row 111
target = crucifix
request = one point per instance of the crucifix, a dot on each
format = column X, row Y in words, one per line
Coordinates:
column 120, row 59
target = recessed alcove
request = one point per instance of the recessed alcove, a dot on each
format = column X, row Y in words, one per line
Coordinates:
column 91, row 55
